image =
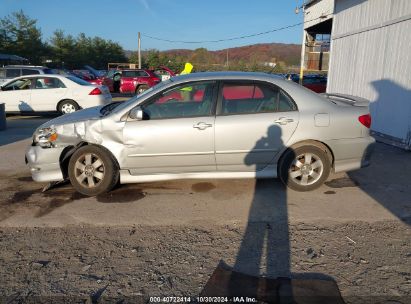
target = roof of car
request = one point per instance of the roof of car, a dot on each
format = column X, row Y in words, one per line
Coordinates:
column 226, row 75
column 25, row 66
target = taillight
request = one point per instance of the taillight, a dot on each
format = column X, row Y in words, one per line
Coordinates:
column 96, row 91
column 365, row 120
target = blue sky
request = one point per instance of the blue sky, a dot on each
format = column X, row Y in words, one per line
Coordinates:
column 188, row 20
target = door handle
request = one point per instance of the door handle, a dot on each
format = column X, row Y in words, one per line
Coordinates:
column 202, row 126
column 283, row 120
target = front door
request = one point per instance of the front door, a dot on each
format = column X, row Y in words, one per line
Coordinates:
column 17, row 95
column 176, row 134
column 254, row 122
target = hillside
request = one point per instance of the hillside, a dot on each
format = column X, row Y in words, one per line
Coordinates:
column 285, row 55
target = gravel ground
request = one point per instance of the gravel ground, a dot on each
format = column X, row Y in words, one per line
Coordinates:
column 89, row 263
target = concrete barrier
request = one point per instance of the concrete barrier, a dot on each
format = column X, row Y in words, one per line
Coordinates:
column 3, row 121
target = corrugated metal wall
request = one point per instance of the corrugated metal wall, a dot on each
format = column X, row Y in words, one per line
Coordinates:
column 371, row 58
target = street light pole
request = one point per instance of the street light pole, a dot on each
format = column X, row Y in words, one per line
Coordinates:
column 139, row 50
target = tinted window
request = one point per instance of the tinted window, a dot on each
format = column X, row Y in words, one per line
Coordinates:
column 253, row 98
column 285, row 104
column 29, row 72
column 134, row 74
column 50, row 71
column 187, row 100
column 48, row 83
column 11, row 73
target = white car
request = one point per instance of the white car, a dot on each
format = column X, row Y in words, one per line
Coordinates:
column 44, row 93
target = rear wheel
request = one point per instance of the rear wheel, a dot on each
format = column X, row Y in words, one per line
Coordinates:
column 141, row 88
column 67, row 106
column 92, row 171
column 305, row 168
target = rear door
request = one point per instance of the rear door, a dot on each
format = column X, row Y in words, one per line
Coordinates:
column 46, row 93
column 254, row 122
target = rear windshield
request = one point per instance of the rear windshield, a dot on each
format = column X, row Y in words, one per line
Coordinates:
column 78, row 80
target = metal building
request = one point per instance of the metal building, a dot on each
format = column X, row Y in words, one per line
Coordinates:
column 370, row 56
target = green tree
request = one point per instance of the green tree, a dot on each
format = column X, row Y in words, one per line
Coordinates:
column 76, row 52
column 20, row 36
column 63, row 49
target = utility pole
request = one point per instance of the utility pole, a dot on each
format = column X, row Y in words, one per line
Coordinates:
column 302, row 57
column 139, row 50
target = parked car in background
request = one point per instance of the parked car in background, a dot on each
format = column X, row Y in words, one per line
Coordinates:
column 314, row 82
column 43, row 93
column 206, row 125
column 133, row 81
column 87, row 76
column 12, row 71
column 164, row 73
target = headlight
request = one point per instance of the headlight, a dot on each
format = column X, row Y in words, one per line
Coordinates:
column 45, row 137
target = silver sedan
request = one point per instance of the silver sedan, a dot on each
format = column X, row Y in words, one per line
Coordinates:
column 206, row 125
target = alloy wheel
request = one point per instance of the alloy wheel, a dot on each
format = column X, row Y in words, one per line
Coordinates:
column 306, row 169
column 89, row 170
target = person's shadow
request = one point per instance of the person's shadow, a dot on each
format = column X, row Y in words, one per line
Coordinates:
column 262, row 269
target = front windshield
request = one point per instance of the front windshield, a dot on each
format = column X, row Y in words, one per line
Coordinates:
column 136, row 98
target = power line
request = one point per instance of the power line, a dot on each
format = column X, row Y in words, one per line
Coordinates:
column 235, row 38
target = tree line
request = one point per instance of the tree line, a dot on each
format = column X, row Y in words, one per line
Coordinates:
column 20, row 35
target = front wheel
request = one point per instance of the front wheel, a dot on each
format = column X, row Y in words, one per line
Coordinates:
column 304, row 168
column 92, row 171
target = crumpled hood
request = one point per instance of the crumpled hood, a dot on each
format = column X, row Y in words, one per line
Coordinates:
column 72, row 118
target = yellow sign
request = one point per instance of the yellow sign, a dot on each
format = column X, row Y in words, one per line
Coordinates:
column 187, row 68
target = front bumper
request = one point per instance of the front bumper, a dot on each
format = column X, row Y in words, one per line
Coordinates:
column 44, row 163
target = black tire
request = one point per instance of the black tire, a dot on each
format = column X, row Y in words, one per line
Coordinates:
column 141, row 88
column 92, row 180
column 300, row 172
column 67, row 106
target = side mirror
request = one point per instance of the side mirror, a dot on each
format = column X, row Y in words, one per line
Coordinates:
column 136, row 113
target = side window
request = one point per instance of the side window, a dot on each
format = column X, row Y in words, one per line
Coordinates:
column 19, row 84
column 48, row 83
column 12, row 73
column 243, row 98
column 188, row 100
column 142, row 74
column 248, row 98
column 285, row 104
column 2, row 73
column 29, row 72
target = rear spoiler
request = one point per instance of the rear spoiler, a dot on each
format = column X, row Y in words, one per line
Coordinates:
column 349, row 99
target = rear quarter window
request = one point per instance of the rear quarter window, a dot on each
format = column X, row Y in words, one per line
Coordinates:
column 30, row 72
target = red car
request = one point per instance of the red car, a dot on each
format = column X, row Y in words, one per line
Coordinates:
column 87, row 76
column 130, row 80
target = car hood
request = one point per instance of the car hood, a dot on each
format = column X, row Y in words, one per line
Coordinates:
column 76, row 117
